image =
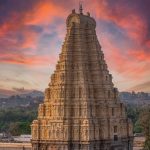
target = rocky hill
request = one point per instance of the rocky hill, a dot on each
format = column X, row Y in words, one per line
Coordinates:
column 136, row 99
column 22, row 100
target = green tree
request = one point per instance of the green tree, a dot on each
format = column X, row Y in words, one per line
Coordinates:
column 14, row 128
column 145, row 123
column 137, row 127
column 17, row 120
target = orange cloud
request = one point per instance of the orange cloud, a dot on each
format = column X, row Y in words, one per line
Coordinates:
column 122, row 16
column 14, row 23
column 134, row 26
column 141, row 87
column 44, row 13
column 140, row 55
column 126, row 63
column 30, row 40
column 131, row 62
column 27, row 60
column 148, row 43
column 10, row 28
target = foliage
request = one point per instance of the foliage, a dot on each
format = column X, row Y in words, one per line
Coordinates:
column 137, row 127
column 145, row 123
column 147, row 144
column 133, row 113
column 17, row 120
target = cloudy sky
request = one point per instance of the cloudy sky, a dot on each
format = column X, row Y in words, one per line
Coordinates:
column 32, row 32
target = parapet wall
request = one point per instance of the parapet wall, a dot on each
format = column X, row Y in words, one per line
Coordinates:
column 15, row 146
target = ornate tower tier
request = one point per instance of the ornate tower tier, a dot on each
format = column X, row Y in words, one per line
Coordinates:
column 81, row 109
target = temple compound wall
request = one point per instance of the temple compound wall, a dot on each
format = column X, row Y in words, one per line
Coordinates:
column 15, row 146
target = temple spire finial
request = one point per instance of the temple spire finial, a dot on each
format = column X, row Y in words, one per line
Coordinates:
column 80, row 7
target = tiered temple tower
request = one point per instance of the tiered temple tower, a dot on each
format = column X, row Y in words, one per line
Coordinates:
column 81, row 109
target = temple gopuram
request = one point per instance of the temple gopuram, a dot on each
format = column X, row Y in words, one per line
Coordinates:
column 81, row 108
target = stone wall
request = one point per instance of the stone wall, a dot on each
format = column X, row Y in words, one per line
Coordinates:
column 19, row 146
column 15, row 146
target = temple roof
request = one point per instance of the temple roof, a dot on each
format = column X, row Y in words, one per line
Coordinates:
column 80, row 19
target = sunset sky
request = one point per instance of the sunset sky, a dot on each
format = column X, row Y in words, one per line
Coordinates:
column 32, row 32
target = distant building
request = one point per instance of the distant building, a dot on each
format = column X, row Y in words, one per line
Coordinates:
column 81, row 109
column 6, row 137
column 22, row 138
